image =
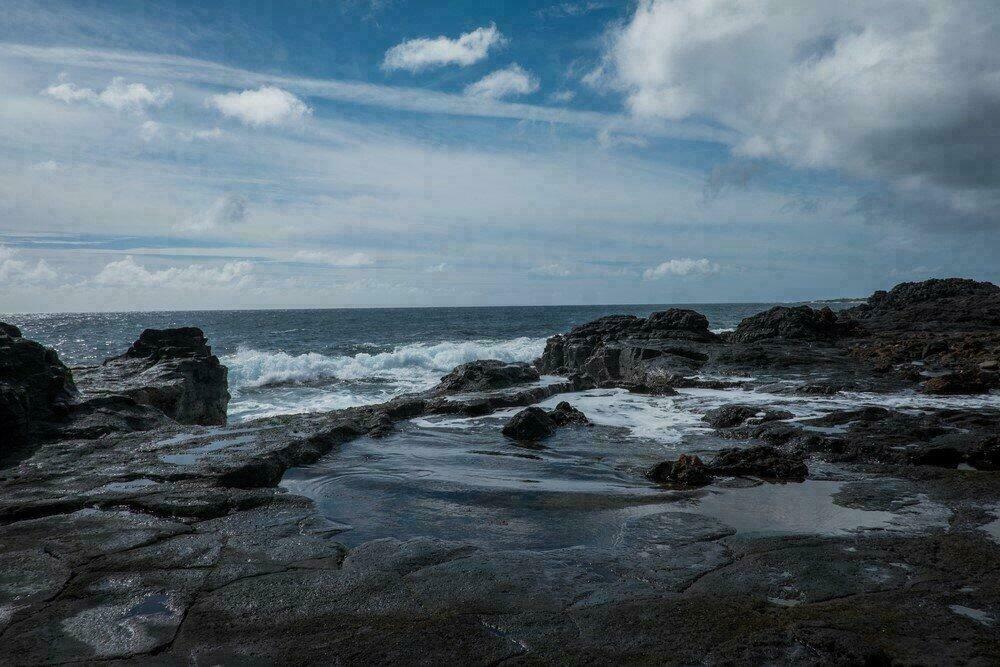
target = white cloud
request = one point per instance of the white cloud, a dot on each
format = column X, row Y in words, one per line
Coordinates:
column 267, row 105
column 507, row 82
column 150, row 130
column 554, row 270
column 226, row 211
column 119, row 95
column 899, row 90
column 681, row 267
column 48, row 165
column 423, row 53
column 127, row 273
column 14, row 271
column 607, row 138
column 201, row 135
column 562, row 96
column 437, row 268
column 333, row 259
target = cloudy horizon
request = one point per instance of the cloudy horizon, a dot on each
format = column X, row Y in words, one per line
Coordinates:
column 417, row 154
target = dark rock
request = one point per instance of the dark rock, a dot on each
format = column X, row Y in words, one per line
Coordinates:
column 793, row 323
column 565, row 414
column 485, row 375
column 762, row 461
column 736, row 414
column 965, row 382
column 9, row 330
column 35, row 389
column 946, row 457
column 643, row 388
column 687, row 471
column 952, row 304
column 172, row 370
column 986, row 455
column 530, row 424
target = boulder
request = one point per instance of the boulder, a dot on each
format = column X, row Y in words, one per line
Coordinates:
column 963, row 382
column 486, row 375
column 800, row 323
column 688, row 471
column 532, row 423
column 172, row 370
column 762, row 461
column 35, row 389
column 565, row 413
column 736, row 414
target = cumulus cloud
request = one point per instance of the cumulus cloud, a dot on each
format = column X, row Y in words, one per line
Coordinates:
column 333, row 258
column 681, row 267
column 227, row 211
column 267, row 105
column 904, row 92
column 118, row 95
column 128, row 273
column 424, row 53
column 508, row 82
column 16, row 271
column 150, row 130
column 201, row 135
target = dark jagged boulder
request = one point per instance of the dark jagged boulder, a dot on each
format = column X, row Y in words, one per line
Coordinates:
column 565, row 413
column 800, row 323
column 762, row 461
column 486, row 375
column 736, row 414
column 35, row 389
column 688, row 471
column 532, row 423
column 172, row 370
column 631, row 349
column 964, row 382
column 950, row 303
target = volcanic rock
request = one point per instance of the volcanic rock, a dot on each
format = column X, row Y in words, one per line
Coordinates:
column 762, row 461
column 172, row 370
column 687, row 471
column 793, row 323
column 530, row 424
column 736, row 414
column 485, row 375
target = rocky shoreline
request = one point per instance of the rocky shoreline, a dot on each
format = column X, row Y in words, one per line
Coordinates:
column 136, row 527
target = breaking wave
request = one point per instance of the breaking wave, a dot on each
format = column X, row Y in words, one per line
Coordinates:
column 414, row 365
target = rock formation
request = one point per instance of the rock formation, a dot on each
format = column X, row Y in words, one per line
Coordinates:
column 172, row 370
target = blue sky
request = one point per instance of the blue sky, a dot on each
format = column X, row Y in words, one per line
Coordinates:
column 162, row 155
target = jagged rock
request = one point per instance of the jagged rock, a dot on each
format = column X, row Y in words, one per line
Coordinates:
column 485, row 375
column 565, row 413
column 643, row 388
column 952, row 304
column 966, row 382
column 793, row 323
column 986, row 456
column 35, row 388
column 762, row 461
column 687, row 471
column 530, row 424
column 172, row 370
column 736, row 414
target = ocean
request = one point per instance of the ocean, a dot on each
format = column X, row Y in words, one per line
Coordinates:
column 290, row 361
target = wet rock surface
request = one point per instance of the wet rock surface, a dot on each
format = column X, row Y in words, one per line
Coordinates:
column 172, row 370
column 535, row 423
column 135, row 539
column 486, row 375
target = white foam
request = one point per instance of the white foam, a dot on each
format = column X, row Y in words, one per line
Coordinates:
column 417, row 363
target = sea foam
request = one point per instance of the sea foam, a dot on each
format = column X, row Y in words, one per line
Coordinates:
column 416, row 365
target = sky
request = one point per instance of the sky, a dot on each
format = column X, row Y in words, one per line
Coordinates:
column 304, row 154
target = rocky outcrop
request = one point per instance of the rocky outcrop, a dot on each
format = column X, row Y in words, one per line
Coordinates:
column 798, row 323
column 486, row 375
column 172, row 370
column 966, row 382
column 737, row 414
column 534, row 423
column 35, row 390
column 947, row 304
column 688, row 471
column 647, row 352
column 762, row 461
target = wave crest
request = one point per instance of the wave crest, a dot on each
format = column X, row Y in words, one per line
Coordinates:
column 415, row 366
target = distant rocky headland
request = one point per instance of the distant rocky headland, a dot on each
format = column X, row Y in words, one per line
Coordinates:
column 136, row 526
